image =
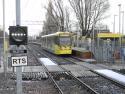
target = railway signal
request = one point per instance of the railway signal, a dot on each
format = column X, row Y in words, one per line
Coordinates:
column 18, row 35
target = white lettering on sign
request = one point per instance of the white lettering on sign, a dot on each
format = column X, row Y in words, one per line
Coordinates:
column 19, row 61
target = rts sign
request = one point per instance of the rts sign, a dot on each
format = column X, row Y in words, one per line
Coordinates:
column 19, row 61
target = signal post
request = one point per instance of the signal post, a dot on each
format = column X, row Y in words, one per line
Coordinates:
column 17, row 39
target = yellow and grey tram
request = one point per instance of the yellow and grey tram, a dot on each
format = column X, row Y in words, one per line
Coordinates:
column 58, row 43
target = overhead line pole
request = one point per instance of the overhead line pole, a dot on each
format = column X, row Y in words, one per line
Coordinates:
column 119, row 5
column 4, row 50
column 122, row 34
column 119, row 18
column 122, row 22
column 18, row 69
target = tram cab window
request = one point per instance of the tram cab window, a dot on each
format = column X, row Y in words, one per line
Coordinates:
column 65, row 41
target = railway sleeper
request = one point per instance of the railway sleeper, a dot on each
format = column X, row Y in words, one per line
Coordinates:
column 31, row 76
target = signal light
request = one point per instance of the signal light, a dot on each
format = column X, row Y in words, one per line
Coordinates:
column 18, row 35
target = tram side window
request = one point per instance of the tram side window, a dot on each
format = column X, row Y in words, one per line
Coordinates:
column 56, row 39
column 44, row 41
column 50, row 41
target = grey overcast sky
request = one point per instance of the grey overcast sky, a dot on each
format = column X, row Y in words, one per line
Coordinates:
column 33, row 10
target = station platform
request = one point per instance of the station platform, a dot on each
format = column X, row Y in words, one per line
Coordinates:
column 119, row 78
column 83, row 54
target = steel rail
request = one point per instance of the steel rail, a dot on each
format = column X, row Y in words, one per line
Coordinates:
column 86, row 86
column 57, row 87
column 76, row 79
column 112, row 80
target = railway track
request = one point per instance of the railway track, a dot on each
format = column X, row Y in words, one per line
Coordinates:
column 100, row 86
column 66, row 83
column 32, row 61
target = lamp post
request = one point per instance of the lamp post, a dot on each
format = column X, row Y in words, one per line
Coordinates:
column 122, row 22
column 114, row 24
column 119, row 18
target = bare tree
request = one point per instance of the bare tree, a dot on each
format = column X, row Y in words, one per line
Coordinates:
column 52, row 23
column 88, row 13
column 57, row 16
column 67, row 19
